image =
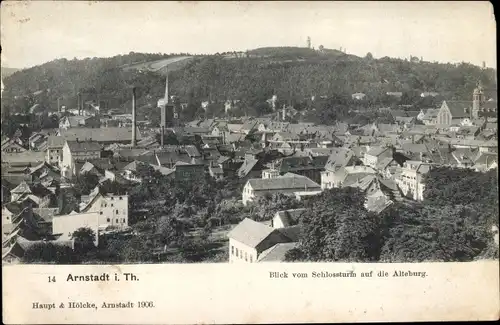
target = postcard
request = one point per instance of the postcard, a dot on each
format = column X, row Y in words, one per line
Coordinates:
column 248, row 162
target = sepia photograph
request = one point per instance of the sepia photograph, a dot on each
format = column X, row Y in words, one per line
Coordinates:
column 146, row 132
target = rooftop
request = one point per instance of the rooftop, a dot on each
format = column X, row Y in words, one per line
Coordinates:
column 250, row 232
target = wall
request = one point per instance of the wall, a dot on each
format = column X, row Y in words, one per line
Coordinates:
column 67, row 224
column 54, row 155
column 234, row 245
column 112, row 210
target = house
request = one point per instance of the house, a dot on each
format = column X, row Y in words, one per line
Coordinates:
column 251, row 241
column 430, row 116
column 129, row 172
column 486, row 161
column 65, row 225
column 464, row 158
column 345, row 176
column 12, row 146
column 307, row 166
column 55, row 145
column 216, row 171
column 76, row 151
column 37, row 140
column 112, row 209
column 339, row 158
column 68, row 122
column 375, row 154
column 287, row 218
column 358, row 96
column 287, row 184
column 188, row 172
column 411, row 178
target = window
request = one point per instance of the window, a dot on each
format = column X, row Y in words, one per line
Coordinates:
column 123, row 220
column 236, row 252
column 108, row 220
column 100, row 213
column 121, row 198
column 112, row 204
column 116, row 220
column 117, row 212
column 232, row 250
column 112, row 198
column 246, row 256
column 105, row 205
column 251, row 260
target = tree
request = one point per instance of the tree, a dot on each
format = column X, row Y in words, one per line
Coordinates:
column 337, row 227
column 171, row 231
column 266, row 207
column 86, row 182
column 49, row 253
column 369, row 56
column 84, row 239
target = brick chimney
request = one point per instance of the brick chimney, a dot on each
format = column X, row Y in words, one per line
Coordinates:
column 134, row 123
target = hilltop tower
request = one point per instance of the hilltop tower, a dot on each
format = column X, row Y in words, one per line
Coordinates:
column 308, row 42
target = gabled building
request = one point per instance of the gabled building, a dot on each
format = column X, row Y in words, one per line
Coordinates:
column 55, row 145
column 287, row 184
column 68, row 122
column 411, row 178
column 112, row 209
column 78, row 151
column 251, row 242
column 375, row 154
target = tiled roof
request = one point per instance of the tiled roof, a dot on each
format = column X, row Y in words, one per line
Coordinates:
column 376, row 151
column 283, row 182
column 100, row 134
column 26, row 157
column 246, row 167
column 340, row 157
column 288, row 217
column 250, row 232
column 276, row 253
column 458, row 108
column 83, row 146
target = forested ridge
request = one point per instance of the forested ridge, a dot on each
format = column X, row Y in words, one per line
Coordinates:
column 293, row 74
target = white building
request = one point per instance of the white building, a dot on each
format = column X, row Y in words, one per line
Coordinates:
column 287, row 184
column 65, row 225
column 74, row 151
column 410, row 178
column 252, row 241
column 112, row 209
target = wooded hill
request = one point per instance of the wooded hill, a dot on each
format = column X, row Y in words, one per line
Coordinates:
column 293, row 74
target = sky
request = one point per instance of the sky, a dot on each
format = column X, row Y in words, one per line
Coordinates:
column 36, row 32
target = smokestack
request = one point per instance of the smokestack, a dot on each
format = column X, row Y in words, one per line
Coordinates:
column 167, row 98
column 162, row 135
column 79, row 104
column 134, row 123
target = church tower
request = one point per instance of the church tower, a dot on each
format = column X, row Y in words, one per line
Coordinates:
column 477, row 100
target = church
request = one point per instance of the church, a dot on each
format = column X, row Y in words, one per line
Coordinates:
column 465, row 112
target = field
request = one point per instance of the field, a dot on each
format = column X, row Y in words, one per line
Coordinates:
column 160, row 65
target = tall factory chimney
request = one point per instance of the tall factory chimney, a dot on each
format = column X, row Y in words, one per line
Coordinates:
column 134, row 123
column 79, row 103
column 167, row 98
